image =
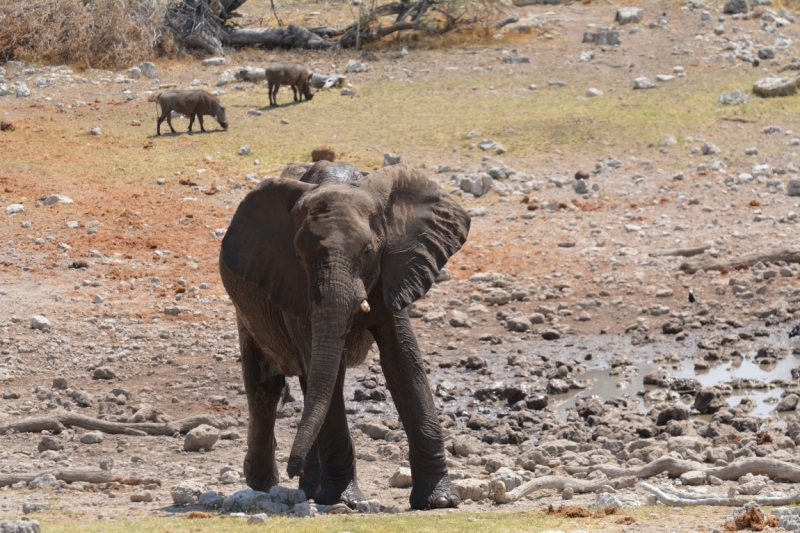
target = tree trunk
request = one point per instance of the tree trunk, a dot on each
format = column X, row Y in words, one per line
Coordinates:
column 710, row 263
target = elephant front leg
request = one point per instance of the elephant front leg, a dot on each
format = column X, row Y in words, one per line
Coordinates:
column 336, row 470
column 405, row 377
column 263, row 384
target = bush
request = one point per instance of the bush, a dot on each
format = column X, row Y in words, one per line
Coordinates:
column 100, row 34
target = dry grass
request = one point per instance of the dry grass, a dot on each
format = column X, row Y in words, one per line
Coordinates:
column 107, row 34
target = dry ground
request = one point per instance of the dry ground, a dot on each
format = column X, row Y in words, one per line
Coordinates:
column 421, row 106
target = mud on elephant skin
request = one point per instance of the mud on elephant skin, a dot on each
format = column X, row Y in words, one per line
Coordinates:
column 318, row 269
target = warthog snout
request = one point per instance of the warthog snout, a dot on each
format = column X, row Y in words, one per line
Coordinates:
column 222, row 118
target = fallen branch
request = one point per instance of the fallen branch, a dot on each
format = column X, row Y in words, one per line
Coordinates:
column 68, row 475
column 682, row 252
column 710, row 263
column 63, row 418
column 674, row 497
column 772, row 468
column 555, row 482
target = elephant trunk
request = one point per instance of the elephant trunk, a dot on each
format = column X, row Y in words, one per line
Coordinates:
column 330, row 316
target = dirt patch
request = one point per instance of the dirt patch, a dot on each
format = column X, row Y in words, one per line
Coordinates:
column 569, row 511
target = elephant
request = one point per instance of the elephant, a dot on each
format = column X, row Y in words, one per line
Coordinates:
column 318, row 270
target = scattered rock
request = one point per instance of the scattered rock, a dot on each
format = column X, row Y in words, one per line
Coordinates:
column 401, row 479
column 733, row 98
column 7, row 125
column 40, row 322
column 628, row 15
column 390, row 159
column 643, row 83
column 200, row 438
column 187, row 492
column 772, row 86
column 93, row 437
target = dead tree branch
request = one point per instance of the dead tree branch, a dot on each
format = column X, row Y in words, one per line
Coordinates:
column 61, row 419
column 710, row 263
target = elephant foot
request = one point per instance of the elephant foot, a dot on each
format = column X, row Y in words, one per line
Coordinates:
column 434, row 494
column 258, row 475
column 333, row 494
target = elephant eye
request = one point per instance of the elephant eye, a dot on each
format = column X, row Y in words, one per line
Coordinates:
column 368, row 251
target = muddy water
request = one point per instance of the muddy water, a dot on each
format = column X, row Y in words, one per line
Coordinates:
column 596, row 353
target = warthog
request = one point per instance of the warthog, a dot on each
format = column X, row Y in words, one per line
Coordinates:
column 190, row 103
column 288, row 73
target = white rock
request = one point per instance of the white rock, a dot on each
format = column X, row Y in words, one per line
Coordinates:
column 368, row 506
column 693, row 477
column 93, row 437
column 225, row 78
column 203, row 436
column 257, row 519
column 472, row 489
column 96, row 131
column 643, row 83
column 604, row 500
column 286, row 495
column 244, row 150
column 43, row 481
column 40, row 322
column 229, row 477
column 401, row 479
column 14, row 208
column 508, row 477
column 148, row 69
column 213, row 61
column 591, row 93
column 22, row 90
column 187, row 492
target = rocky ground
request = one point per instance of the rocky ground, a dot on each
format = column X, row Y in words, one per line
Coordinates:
column 560, row 341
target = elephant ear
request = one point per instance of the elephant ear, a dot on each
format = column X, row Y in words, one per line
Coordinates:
column 425, row 226
column 259, row 244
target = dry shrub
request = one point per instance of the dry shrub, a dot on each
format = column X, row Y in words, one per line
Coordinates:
column 569, row 511
column 752, row 520
column 102, row 34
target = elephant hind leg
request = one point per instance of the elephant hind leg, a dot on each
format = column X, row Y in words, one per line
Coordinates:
column 337, row 462
column 264, row 386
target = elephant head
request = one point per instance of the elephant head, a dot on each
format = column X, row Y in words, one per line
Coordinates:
column 318, row 249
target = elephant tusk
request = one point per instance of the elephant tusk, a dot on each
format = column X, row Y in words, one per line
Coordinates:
column 365, row 306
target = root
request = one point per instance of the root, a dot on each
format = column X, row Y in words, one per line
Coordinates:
column 772, row 468
column 61, row 419
column 668, row 495
column 555, row 482
column 71, row 475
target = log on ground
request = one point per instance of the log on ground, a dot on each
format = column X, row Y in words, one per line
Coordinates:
column 710, row 263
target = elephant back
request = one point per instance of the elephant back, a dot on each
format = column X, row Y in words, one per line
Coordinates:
column 325, row 171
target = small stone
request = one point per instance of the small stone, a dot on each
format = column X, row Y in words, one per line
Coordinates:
column 201, row 437
column 50, row 443
column 605, row 500
column 14, row 209
column 40, row 322
column 368, row 506
column 664, row 77
column 244, row 150
column 96, row 131
column 643, row 83
column 148, row 69
column 229, row 477
column 732, row 7
column 789, row 403
column 28, row 508
column 693, row 477
column 401, row 479
column 773, row 86
column 284, row 121
column 93, row 437
column 213, row 61
column 628, row 15
column 257, row 519
column 145, row 496
column 103, row 372
column 591, row 93
column 187, row 493
column 97, row 299
column 390, row 159
column 347, row 92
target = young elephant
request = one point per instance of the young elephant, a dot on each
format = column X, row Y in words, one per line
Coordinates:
column 318, row 270
column 288, row 73
column 190, row 103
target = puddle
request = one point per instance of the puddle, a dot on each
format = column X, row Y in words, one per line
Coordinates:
column 630, row 384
